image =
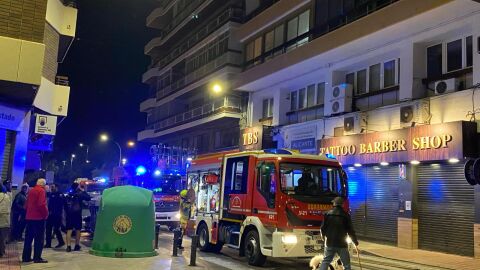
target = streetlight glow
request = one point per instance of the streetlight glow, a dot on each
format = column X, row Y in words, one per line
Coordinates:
column 80, row 144
column 217, row 88
column 73, row 155
column 131, row 143
column 124, row 161
column 104, row 137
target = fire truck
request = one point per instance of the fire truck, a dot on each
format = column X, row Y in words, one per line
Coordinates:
column 268, row 203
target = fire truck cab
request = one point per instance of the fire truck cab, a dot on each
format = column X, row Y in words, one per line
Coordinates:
column 264, row 203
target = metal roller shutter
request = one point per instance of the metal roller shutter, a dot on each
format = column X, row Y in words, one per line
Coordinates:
column 445, row 209
column 7, row 142
column 382, row 203
column 356, row 196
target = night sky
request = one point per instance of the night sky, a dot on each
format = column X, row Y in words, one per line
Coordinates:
column 104, row 66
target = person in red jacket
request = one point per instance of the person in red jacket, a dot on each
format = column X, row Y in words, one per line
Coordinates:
column 37, row 213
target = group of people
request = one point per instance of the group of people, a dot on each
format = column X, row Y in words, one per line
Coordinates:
column 40, row 212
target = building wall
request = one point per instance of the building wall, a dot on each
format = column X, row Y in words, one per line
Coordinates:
column 23, row 19
column 50, row 64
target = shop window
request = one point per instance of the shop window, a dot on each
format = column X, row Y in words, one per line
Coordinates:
column 374, row 78
column 320, row 93
column 454, row 55
column 293, row 101
column 469, row 50
column 266, row 183
column 267, row 108
column 311, row 95
column 361, row 86
column 389, row 74
column 434, row 61
column 301, row 99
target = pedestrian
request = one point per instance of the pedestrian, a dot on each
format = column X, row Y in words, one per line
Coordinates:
column 36, row 215
column 336, row 227
column 56, row 202
column 75, row 201
column 5, row 204
column 185, row 212
column 18, row 213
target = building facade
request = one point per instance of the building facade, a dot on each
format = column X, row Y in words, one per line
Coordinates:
column 387, row 86
column 35, row 36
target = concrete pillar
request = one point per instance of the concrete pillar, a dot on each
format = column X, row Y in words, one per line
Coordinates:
column 20, row 154
column 476, row 225
column 407, row 216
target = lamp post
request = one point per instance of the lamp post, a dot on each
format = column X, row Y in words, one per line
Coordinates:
column 71, row 160
column 87, row 147
column 105, row 138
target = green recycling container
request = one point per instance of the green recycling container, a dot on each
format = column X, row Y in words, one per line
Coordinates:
column 125, row 226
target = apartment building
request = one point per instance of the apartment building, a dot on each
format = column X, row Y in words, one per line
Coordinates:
column 387, row 86
column 35, row 36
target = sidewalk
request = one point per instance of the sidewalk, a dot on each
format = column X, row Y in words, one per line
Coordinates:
column 11, row 259
column 424, row 257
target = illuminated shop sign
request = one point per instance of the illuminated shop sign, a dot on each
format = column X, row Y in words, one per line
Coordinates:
column 429, row 142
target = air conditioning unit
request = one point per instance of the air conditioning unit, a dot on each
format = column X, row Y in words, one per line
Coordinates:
column 446, row 86
column 354, row 124
column 415, row 113
column 339, row 99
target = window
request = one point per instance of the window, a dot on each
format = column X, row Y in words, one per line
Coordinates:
column 361, row 87
column 293, row 101
column 374, row 78
column 389, row 74
column 253, row 49
column 279, row 35
column 267, row 108
column 311, row 95
column 269, row 37
column 236, row 175
column 469, row 50
column 320, row 93
column 454, row 55
column 350, row 79
column 434, row 61
column 258, row 47
column 266, row 183
column 304, row 22
column 292, row 29
column 301, row 98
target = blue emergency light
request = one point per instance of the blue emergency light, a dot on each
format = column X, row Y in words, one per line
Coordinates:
column 331, row 156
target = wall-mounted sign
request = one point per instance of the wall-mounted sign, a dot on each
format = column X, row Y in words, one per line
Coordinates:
column 11, row 118
column 256, row 138
column 428, row 142
column 46, row 124
column 301, row 138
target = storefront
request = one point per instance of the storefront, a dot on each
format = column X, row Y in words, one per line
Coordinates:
column 407, row 186
column 11, row 121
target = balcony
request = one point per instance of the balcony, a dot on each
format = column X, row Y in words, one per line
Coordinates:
column 231, row 14
column 155, row 20
column 229, row 58
column 193, row 8
column 227, row 104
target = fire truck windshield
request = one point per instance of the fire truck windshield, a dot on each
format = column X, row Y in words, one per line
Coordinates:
column 165, row 185
column 311, row 180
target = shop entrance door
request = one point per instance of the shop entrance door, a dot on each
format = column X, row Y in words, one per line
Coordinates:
column 445, row 209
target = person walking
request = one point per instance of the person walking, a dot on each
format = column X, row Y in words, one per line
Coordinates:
column 185, row 212
column 36, row 215
column 56, row 203
column 337, row 226
column 75, row 201
column 5, row 204
column 18, row 214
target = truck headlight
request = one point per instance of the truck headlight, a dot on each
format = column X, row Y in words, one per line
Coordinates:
column 289, row 239
column 177, row 215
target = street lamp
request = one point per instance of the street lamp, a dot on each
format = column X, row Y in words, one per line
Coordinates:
column 71, row 160
column 130, row 143
column 104, row 138
column 87, row 148
column 124, row 161
column 217, row 88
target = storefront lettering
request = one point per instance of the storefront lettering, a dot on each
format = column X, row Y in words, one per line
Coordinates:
column 434, row 142
column 250, row 138
column 418, row 143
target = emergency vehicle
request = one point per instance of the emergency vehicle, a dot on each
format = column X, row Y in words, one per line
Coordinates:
column 267, row 203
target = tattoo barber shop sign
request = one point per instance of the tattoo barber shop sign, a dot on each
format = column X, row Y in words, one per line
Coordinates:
column 428, row 142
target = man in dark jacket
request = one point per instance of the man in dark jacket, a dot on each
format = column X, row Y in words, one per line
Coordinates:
column 75, row 201
column 336, row 227
column 18, row 214
column 56, row 203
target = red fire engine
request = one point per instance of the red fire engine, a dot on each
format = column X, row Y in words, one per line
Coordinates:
column 264, row 203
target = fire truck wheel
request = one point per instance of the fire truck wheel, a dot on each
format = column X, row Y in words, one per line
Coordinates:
column 203, row 240
column 252, row 249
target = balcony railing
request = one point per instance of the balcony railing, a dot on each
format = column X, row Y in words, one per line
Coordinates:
column 194, row 4
column 225, row 104
column 230, row 57
column 366, row 8
column 231, row 14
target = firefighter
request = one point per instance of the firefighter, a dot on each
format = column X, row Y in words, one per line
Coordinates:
column 185, row 211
